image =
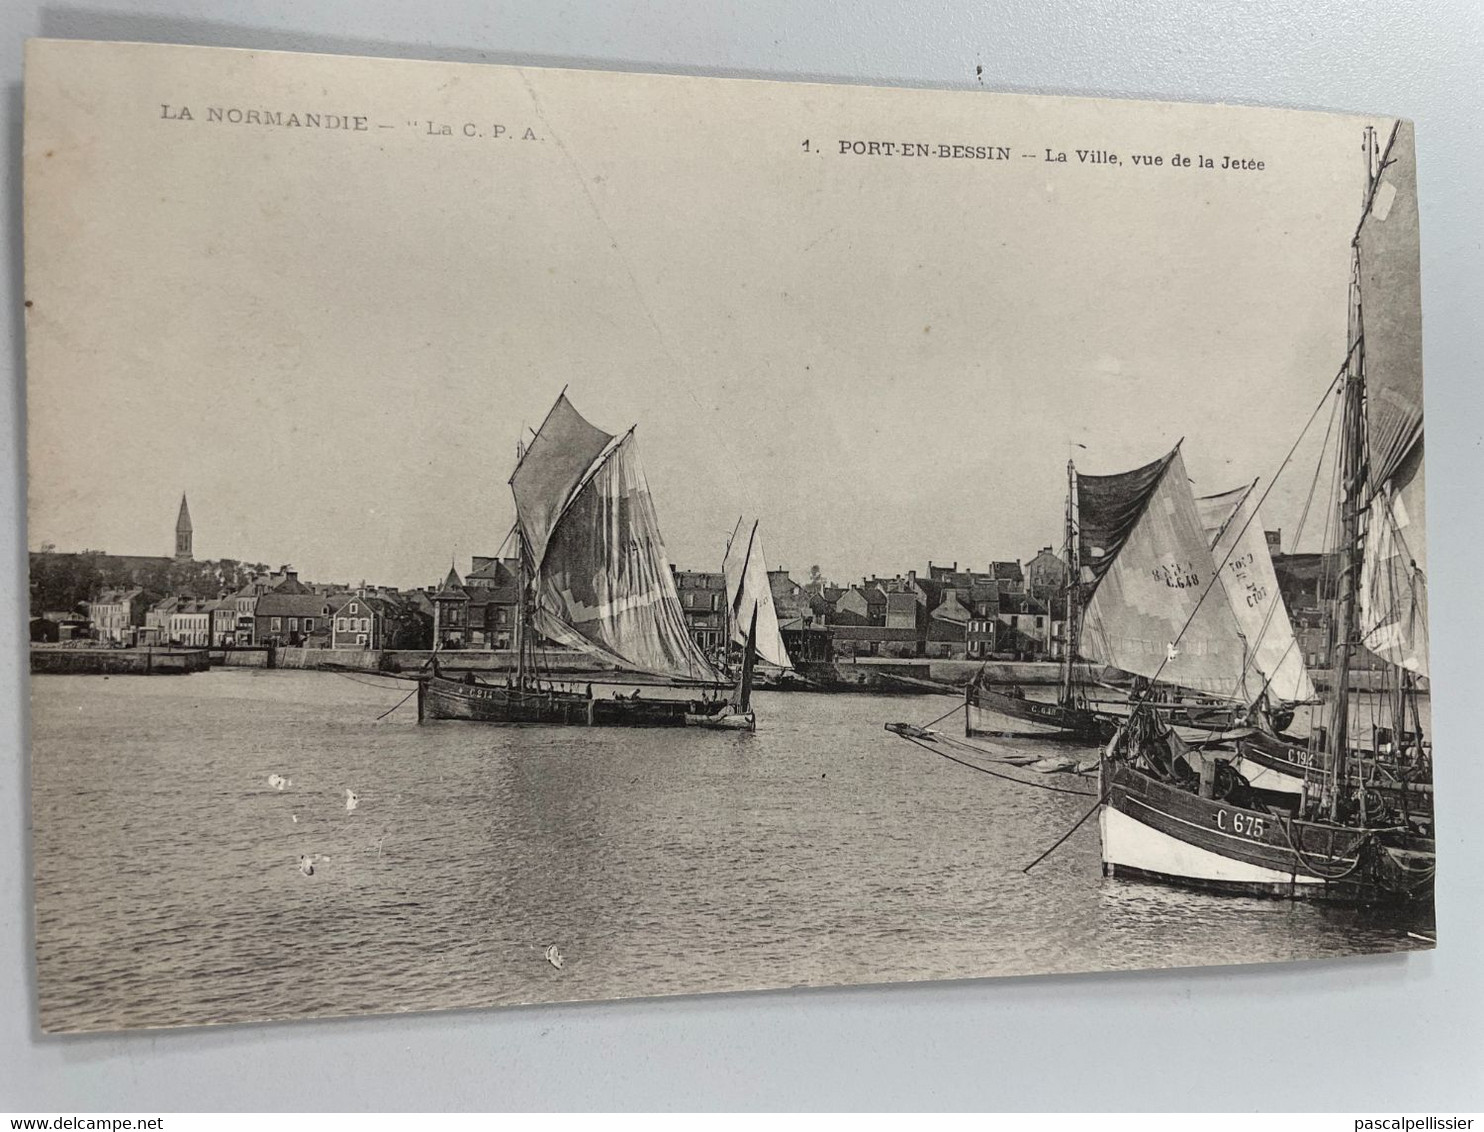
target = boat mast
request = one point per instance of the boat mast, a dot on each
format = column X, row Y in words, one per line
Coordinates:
column 1352, row 485
column 1074, row 572
column 520, row 613
column 742, row 698
column 521, row 584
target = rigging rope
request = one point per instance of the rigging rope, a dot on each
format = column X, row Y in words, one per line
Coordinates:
column 946, row 714
column 1103, row 797
column 1315, row 870
column 368, row 683
column 396, row 705
column 1329, row 389
column 1273, row 607
column 996, row 774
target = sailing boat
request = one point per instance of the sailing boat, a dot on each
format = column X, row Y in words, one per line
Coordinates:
column 750, row 598
column 1362, row 830
column 989, row 711
column 594, row 577
column 1276, row 765
column 1239, row 557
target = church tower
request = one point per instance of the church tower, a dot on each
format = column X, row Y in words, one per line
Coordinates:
column 183, row 532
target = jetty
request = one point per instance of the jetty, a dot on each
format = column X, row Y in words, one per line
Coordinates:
column 149, row 661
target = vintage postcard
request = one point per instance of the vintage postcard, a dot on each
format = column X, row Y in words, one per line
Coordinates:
column 509, row 535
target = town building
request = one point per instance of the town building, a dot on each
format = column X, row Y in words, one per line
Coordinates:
column 1009, row 575
column 864, row 604
column 980, row 637
column 450, row 613
column 1025, row 627
column 904, row 610
column 117, row 616
column 703, row 600
column 1309, row 585
column 286, row 617
column 61, row 625
column 189, row 624
column 493, row 589
column 358, row 621
column 156, row 629
column 823, row 599
column 851, row 640
column 236, row 620
column 808, row 644
column 791, row 601
column 1046, row 574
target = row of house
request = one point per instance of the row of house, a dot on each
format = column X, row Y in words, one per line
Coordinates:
column 1008, row 609
column 274, row 609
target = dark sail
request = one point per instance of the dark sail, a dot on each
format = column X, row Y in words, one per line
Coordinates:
column 562, row 450
column 1107, row 509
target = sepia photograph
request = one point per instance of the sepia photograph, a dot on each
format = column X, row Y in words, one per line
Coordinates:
column 505, row 535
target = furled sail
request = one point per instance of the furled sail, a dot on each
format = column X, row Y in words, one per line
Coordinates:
column 1391, row 299
column 1239, row 551
column 1393, row 574
column 560, row 453
column 604, row 583
column 748, row 588
column 1145, row 614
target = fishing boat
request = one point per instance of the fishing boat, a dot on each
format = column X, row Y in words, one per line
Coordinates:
column 1247, row 580
column 991, row 711
column 1362, row 829
column 594, row 577
column 750, row 596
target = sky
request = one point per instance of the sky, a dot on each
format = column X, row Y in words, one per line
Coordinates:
column 333, row 341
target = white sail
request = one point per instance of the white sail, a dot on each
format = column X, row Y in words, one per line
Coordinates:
column 748, row 588
column 1146, row 613
column 1393, row 575
column 1239, row 550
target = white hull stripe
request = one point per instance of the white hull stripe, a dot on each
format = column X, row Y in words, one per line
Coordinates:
column 1130, row 843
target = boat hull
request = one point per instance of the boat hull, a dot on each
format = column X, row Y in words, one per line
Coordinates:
column 1196, row 725
column 1279, row 769
column 1154, row 831
column 1276, row 768
column 996, row 713
column 439, row 698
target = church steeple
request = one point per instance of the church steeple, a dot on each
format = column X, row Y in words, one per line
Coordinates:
column 183, row 532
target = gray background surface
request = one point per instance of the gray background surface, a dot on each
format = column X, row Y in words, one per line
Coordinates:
column 1366, row 1034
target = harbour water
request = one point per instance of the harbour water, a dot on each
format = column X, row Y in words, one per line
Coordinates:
column 819, row 850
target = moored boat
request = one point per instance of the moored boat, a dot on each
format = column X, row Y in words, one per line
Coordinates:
column 1356, row 824
column 594, row 577
column 442, row 698
column 991, row 712
column 1158, row 830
